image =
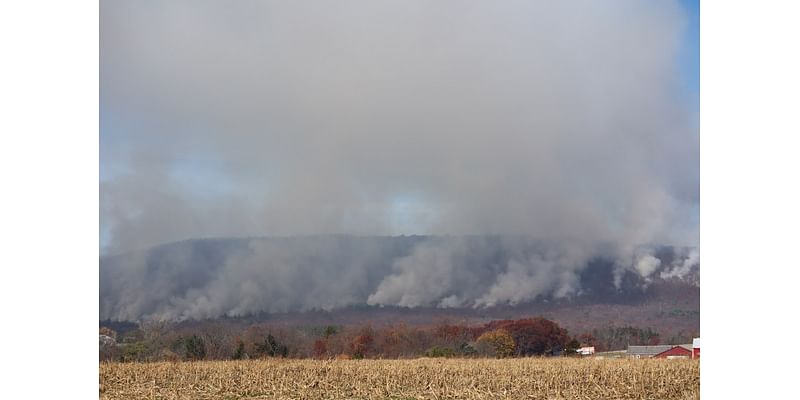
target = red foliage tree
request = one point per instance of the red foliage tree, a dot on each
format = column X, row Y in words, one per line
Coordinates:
column 587, row 339
column 456, row 334
column 362, row 344
column 533, row 336
column 320, row 349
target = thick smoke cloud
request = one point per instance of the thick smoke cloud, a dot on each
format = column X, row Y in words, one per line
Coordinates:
column 561, row 121
column 239, row 277
column 555, row 119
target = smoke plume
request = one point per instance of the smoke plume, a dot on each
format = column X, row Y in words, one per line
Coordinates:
column 561, row 121
column 210, row 278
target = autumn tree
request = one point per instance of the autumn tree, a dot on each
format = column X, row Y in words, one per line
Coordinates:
column 400, row 340
column 320, row 348
column 108, row 332
column 362, row 344
column 533, row 336
column 588, row 340
column 220, row 340
column 498, row 343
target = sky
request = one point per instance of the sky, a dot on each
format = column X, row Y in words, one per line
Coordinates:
column 689, row 56
column 572, row 120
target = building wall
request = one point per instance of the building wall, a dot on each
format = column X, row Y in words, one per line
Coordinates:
column 675, row 351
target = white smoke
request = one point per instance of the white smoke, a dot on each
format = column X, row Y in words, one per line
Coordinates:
column 552, row 273
column 647, row 264
column 555, row 120
column 420, row 279
column 682, row 266
column 237, row 277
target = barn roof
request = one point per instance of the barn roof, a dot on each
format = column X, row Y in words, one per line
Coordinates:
column 649, row 351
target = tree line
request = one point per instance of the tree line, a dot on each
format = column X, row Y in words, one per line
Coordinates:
column 218, row 340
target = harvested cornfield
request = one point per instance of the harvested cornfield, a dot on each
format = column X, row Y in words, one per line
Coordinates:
column 521, row 378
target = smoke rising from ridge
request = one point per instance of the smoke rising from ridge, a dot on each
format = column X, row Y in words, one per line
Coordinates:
column 560, row 121
column 239, row 277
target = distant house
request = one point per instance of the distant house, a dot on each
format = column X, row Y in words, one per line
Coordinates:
column 586, row 351
column 679, row 351
column 696, row 348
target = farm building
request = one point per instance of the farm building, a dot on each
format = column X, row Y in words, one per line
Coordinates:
column 586, row 351
column 611, row 354
column 696, row 348
column 679, row 351
column 646, row 351
column 651, row 351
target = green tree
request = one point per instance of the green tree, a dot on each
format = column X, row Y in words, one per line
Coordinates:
column 271, row 348
column 239, row 353
column 195, row 348
column 330, row 330
column 438, row 351
column 467, row 349
column 572, row 347
column 138, row 351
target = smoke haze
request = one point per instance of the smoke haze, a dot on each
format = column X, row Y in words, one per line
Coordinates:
column 559, row 122
column 210, row 278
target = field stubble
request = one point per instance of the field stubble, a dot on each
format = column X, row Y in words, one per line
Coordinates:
column 519, row 378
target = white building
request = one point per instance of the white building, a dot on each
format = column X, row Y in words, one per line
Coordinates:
column 696, row 348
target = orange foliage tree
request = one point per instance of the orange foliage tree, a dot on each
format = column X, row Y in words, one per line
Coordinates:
column 498, row 343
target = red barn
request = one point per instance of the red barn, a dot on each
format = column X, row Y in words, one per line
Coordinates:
column 680, row 351
column 696, row 348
